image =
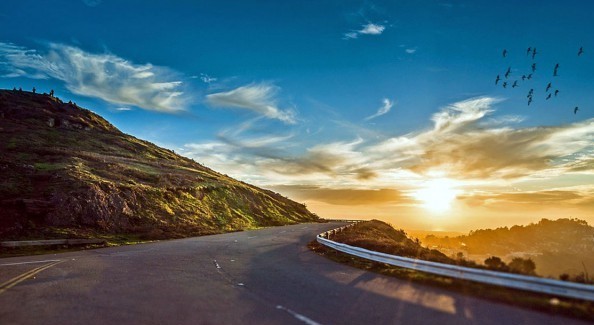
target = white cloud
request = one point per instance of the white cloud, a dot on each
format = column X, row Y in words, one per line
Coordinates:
column 103, row 76
column 259, row 98
column 372, row 29
column 367, row 29
column 411, row 50
column 462, row 144
column 387, row 105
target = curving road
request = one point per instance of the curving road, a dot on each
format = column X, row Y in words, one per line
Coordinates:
column 265, row 276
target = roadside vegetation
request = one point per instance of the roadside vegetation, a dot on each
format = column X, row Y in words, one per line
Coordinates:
column 380, row 236
column 559, row 248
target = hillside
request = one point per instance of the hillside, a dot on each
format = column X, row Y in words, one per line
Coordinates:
column 556, row 246
column 379, row 236
column 65, row 170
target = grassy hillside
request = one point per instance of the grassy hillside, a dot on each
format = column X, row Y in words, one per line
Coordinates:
column 67, row 171
column 381, row 237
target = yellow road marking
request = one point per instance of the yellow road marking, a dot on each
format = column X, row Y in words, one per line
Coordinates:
column 20, row 278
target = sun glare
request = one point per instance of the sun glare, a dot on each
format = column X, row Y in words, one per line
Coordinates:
column 437, row 195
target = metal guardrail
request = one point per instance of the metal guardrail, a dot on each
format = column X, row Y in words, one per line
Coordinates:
column 47, row 242
column 517, row 281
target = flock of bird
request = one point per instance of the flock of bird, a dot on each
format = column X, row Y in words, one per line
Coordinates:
column 549, row 93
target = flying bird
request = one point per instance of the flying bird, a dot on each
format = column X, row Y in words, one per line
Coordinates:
column 548, row 86
column 529, row 76
column 581, row 51
column 515, row 84
column 556, row 92
column 533, row 52
column 528, row 51
column 504, row 52
column 575, row 110
column 497, row 79
column 533, row 67
column 549, row 97
column 523, row 77
column 530, row 92
column 505, row 84
column 529, row 100
column 508, row 72
column 555, row 70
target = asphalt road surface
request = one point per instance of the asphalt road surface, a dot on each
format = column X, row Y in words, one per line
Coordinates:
column 265, row 276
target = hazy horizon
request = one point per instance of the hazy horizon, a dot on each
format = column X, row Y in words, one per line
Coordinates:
column 359, row 109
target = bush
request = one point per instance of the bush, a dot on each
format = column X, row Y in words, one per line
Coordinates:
column 522, row 266
column 495, row 263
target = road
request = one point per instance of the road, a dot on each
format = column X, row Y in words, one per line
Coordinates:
column 265, row 276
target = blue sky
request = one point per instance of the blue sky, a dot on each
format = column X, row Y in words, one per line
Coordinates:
column 373, row 101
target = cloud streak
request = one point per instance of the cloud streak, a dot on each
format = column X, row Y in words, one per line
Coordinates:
column 367, row 29
column 462, row 144
column 104, row 76
column 387, row 105
column 530, row 199
column 349, row 197
column 259, row 98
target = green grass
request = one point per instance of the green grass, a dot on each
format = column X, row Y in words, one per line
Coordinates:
column 44, row 166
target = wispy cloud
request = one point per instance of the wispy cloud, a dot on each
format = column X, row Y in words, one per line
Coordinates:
column 206, row 78
column 372, row 29
column 260, row 98
column 461, row 145
column 411, row 50
column 387, row 105
column 104, row 76
column 367, row 29
column 349, row 197
column 531, row 199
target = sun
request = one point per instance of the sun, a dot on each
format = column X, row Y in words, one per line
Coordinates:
column 437, row 195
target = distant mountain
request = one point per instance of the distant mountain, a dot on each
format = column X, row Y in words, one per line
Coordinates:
column 65, row 169
column 556, row 246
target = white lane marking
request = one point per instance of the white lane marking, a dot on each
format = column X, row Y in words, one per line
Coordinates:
column 240, row 284
column 216, row 264
column 300, row 317
column 284, row 231
column 32, row 262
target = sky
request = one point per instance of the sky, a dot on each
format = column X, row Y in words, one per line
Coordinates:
column 360, row 109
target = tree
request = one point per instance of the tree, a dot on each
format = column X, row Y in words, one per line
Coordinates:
column 495, row 263
column 522, row 266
